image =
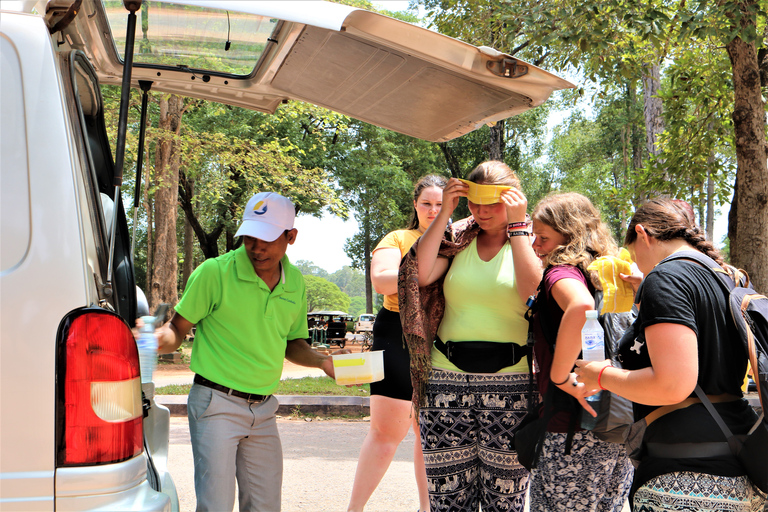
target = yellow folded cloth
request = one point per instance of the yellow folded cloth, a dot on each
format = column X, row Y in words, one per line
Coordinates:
column 484, row 194
column 618, row 295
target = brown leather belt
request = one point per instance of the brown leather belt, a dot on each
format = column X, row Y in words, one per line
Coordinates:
column 250, row 397
column 661, row 411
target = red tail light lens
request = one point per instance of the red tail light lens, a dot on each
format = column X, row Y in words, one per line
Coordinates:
column 100, row 414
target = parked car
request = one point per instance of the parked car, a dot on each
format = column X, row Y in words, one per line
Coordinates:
column 74, row 430
column 364, row 323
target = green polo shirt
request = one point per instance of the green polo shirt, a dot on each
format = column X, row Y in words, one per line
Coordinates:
column 242, row 326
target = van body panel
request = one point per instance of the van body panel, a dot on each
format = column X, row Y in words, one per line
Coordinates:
column 54, row 251
column 38, row 291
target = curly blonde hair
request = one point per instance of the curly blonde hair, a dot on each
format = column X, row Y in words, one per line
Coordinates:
column 576, row 218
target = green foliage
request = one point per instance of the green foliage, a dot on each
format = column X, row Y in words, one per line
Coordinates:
column 698, row 138
column 308, row 268
column 357, row 305
column 590, row 157
column 322, row 386
column 323, row 295
column 349, row 280
column 375, row 168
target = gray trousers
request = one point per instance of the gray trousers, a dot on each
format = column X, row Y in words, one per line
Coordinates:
column 234, row 440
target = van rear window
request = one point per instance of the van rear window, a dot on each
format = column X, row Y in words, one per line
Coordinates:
column 175, row 35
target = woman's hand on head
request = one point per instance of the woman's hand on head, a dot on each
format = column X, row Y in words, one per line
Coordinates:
column 452, row 191
column 516, row 204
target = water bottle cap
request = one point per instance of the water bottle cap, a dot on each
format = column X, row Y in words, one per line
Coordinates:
column 592, row 314
column 149, row 324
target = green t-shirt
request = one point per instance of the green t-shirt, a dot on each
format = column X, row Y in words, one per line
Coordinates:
column 482, row 304
column 242, row 326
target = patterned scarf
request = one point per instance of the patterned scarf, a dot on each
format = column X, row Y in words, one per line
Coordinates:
column 422, row 309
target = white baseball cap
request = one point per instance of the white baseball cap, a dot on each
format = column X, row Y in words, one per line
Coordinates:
column 266, row 216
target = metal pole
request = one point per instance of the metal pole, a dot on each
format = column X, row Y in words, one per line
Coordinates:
column 125, row 92
column 145, row 86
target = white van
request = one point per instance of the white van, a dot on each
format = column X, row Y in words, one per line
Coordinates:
column 364, row 323
column 78, row 430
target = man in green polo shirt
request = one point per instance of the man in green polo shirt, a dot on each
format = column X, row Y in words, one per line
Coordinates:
column 250, row 308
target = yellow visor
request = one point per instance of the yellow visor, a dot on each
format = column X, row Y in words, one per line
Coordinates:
column 484, row 194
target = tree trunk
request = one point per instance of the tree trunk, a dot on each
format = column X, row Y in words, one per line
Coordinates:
column 209, row 242
column 749, row 238
column 496, row 142
column 637, row 148
column 450, row 158
column 367, row 234
column 710, row 224
column 652, row 107
column 164, row 287
column 189, row 242
column 150, row 231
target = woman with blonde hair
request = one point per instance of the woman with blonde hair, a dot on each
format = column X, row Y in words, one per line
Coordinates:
column 575, row 470
column 462, row 289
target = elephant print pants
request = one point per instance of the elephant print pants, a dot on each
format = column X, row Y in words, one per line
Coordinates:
column 467, row 427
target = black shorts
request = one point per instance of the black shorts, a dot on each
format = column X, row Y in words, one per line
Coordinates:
column 388, row 336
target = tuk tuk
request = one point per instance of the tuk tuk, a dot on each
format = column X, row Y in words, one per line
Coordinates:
column 328, row 328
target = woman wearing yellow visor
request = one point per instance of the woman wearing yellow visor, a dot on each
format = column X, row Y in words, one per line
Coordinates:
column 464, row 288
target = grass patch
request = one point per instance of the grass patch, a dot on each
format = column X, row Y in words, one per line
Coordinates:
column 186, row 354
column 319, row 386
column 315, row 386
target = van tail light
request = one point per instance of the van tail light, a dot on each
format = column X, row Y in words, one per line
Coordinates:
column 99, row 414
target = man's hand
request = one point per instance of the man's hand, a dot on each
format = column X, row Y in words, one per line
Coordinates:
column 327, row 364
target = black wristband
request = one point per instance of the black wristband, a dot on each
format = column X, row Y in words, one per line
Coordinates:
column 518, row 232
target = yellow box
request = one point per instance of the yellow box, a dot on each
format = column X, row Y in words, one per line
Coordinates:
column 361, row 368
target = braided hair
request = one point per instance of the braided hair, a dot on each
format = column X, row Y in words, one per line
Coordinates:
column 670, row 219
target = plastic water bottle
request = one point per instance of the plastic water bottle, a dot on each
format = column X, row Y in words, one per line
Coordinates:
column 592, row 349
column 147, row 344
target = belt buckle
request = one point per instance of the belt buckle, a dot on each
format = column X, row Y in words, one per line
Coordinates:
column 448, row 351
column 252, row 400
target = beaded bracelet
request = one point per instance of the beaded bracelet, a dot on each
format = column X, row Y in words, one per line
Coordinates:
column 513, row 225
column 599, row 375
column 518, row 232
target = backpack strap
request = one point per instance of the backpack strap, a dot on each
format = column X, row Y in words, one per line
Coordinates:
column 555, row 398
column 733, row 442
column 724, row 278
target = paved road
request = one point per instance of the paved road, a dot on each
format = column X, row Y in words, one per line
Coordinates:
column 320, row 461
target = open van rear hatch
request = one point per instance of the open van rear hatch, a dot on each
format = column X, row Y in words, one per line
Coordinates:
column 258, row 54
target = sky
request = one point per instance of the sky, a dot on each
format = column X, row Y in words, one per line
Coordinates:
column 321, row 241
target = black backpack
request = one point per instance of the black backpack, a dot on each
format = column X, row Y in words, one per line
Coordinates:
column 749, row 311
column 616, row 414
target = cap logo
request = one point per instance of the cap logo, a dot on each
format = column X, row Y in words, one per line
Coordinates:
column 259, row 205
